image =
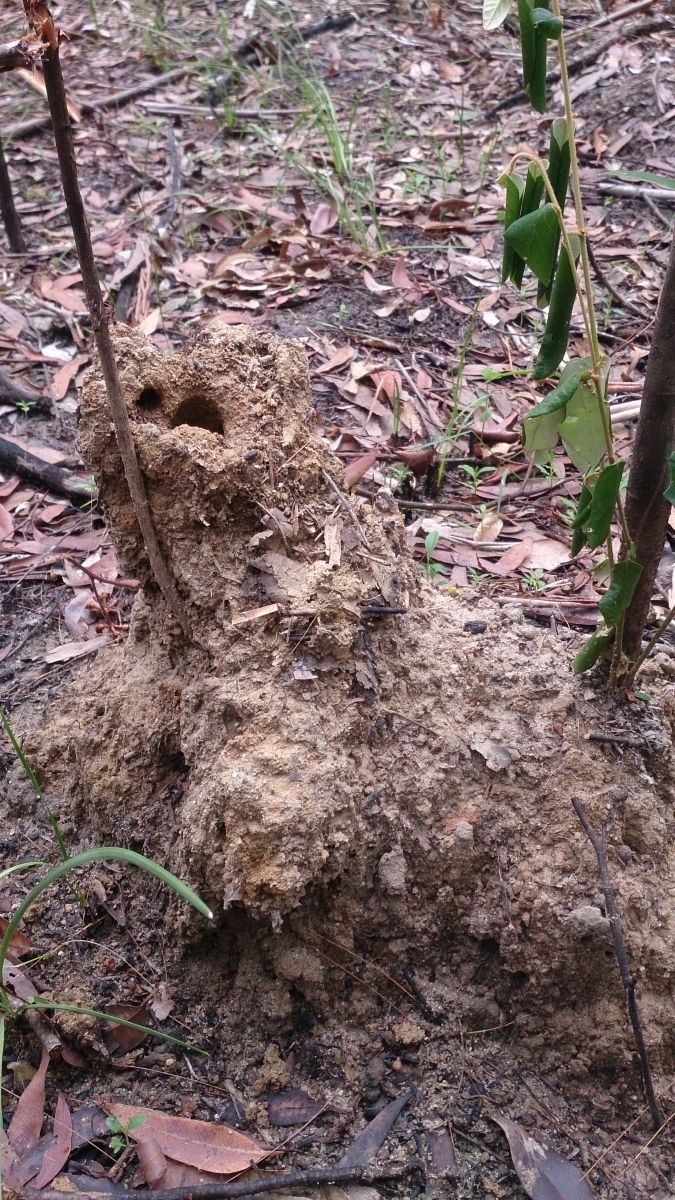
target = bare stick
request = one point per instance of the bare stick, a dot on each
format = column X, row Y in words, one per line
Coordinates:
column 10, row 217
column 13, row 392
column 599, row 844
column 635, row 191
column 16, row 54
column 610, row 18
column 44, row 474
column 607, row 284
column 242, row 1189
column 41, row 20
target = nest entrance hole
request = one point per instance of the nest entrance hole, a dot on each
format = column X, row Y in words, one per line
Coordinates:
column 199, row 412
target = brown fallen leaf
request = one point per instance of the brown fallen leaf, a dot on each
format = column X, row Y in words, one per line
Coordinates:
column 293, row 1107
column 152, row 1161
column 513, row 558
column 24, row 1128
column 357, row 469
column 19, row 944
column 59, row 1148
column 209, row 1147
column 367, row 1144
column 544, row 1174
column 120, row 1037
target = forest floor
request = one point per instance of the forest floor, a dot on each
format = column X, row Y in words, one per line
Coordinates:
column 342, row 192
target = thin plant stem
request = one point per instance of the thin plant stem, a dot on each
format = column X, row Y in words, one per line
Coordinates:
column 41, row 21
column 656, row 637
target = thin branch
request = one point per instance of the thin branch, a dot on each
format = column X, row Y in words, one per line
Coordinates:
column 599, row 844
column 41, row 20
column 10, row 217
column 16, row 54
column 36, row 470
column 635, row 191
column 13, row 392
column 606, row 283
column 243, row 1189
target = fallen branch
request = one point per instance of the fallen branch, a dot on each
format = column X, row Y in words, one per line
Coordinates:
column 249, row 51
column 118, row 99
column 634, row 191
column 610, row 18
column 241, row 1189
column 45, row 475
column 607, row 284
column 16, row 54
column 13, row 392
column 41, row 21
column 599, row 844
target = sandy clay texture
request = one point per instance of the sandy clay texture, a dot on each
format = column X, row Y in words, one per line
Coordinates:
column 340, row 750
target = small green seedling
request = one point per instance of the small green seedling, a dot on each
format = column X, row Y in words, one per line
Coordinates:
column 432, row 569
column 534, row 580
column 122, row 1133
column 472, row 475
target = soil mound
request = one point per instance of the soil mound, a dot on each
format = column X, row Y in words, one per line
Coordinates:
column 337, row 750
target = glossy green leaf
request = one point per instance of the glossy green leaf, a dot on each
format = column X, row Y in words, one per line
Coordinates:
column 557, row 331
column 547, row 23
column 623, row 582
column 669, row 494
column 590, row 652
column 603, row 504
column 558, row 168
column 574, row 374
column 534, row 238
column 515, row 188
column 527, row 40
column 537, row 88
column 582, row 431
column 534, row 190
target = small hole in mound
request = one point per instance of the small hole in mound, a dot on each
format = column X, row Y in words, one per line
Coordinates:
column 199, row 412
column 149, row 399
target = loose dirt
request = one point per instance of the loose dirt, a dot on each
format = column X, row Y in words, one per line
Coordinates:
column 395, row 783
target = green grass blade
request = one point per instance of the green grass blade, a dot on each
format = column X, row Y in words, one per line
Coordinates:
column 100, row 854
column 78, row 1009
column 32, row 777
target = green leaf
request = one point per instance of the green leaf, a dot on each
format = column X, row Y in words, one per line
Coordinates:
column 545, row 21
column 590, row 652
column 515, row 186
column 495, row 13
column 582, row 431
column 623, row 582
column 534, row 189
column 431, row 541
column 542, row 434
column 534, row 238
column 559, row 156
column 527, row 40
column 669, row 494
column 664, row 181
column 537, row 89
column 602, row 507
column 573, row 374
column 557, row 332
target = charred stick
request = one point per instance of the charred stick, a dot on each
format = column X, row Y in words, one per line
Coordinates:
column 243, row 1189
column 44, row 474
column 10, row 217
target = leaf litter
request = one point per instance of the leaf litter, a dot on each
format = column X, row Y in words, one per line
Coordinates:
column 296, row 275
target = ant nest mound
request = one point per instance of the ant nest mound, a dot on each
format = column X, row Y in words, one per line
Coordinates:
column 331, row 751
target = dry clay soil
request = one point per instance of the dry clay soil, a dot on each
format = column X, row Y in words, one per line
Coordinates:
column 398, row 785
